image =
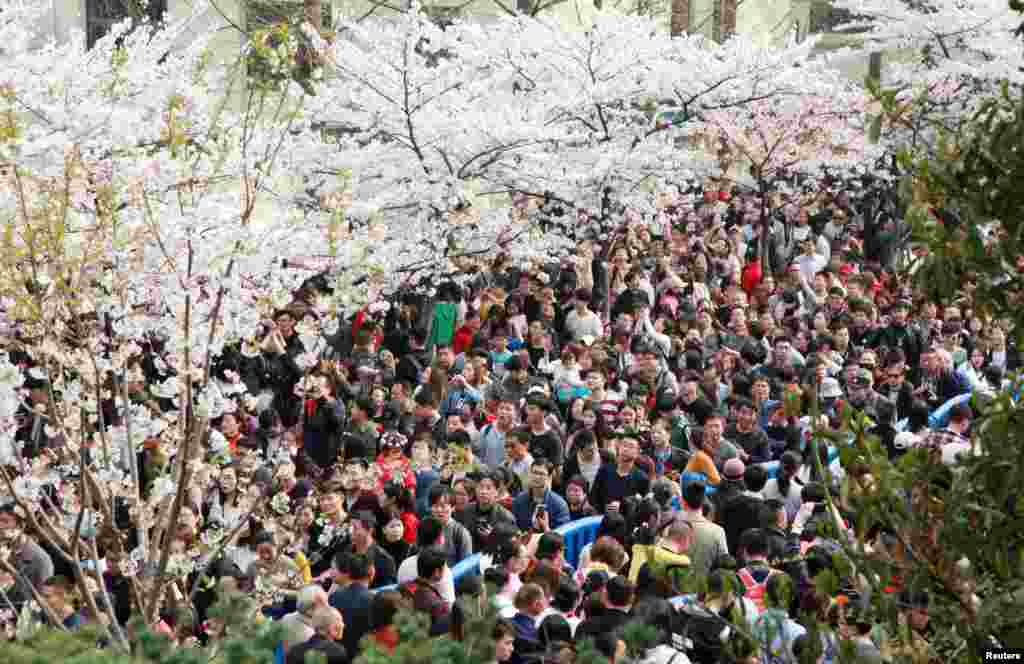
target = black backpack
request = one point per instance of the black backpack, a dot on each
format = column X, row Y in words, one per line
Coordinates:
column 702, row 634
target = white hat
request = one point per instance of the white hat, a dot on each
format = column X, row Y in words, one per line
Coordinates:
column 830, row 388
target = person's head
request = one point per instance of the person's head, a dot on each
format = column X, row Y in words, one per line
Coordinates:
column 431, row 564
column 576, row 491
column 535, row 412
column 361, row 569
column 627, row 416
column 463, row 494
column 445, row 356
column 394, row 527
column 430, row 533
column 789, row 464
column 486, row 490
column 693, row 495
column 551, row 547
column 310, row 598
column 628, row 450
column 755, row 477
column 506, row 413
column 517, row 443
column 228, row 480
column 609, row 551
column 618, row 593
column 285, row 322
column 442, row 503
column 680, row 534
column 363, row 525
column 915, row 605
column 531, row 599
column 746, row 414
column 328, row 623
column 714, row 426
column 384, row 606
column 229, row 425
column 540, row 475
column 57, row 592
column 504, row 635
column 754, row 544
column 760, row 389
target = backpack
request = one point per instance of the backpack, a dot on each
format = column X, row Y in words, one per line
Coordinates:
column 703, row 634
column 755, row 591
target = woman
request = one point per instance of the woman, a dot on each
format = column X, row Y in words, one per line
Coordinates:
column 584, row 459
column 576, row 497
column 394, row 466
column 974, row 368
column 787, row 486
column 612, row 525
column 394, row 541
column 606, row 555
column 224, row 505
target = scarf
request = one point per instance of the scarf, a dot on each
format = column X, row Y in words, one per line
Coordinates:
column 311, row 407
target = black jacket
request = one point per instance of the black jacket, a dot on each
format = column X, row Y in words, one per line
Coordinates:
column 335, row 652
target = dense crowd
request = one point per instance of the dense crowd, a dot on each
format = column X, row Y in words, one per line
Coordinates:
column 666, row 378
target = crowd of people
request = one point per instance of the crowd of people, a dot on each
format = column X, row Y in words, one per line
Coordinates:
column 666, row 378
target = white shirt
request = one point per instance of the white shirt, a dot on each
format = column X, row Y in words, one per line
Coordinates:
column 407, row 573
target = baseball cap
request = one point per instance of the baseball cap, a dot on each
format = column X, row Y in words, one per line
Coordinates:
column 734, row 469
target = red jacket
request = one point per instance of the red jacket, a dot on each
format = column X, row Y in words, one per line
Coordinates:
column 751, row 276
column 463, row 339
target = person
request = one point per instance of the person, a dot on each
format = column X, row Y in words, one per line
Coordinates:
column 620, row 480
column 613, row 614
column 481, row 517
column 384, row 606
column 504, row 635
column 58, row 593
column 330, row 627
column 576, row 499
column 424, row 592
column 774, row 630
column 490, row 447
column 354, row 602
column 33, row 565
column 458, row 543
column 539, row 508
column 709, row 542
column 298, row 625
column 429, row 535
column 364, row 524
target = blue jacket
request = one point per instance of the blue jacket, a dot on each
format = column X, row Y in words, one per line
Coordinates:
column 354, row 604
column 523, row 509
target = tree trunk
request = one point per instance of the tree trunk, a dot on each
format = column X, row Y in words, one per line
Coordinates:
column 313, row 12
column 679, row 22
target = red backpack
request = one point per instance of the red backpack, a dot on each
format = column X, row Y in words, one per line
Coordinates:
column 755, row 591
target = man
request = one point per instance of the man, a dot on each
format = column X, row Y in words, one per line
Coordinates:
column 530, row 603
column 709, row 541
column 428, row 418
column 360, row 426
column 458, row 544
column 616, row 600
column 743, row 511
column 298, row 625
column 518, row 459
column 581, row 321
column 517, row 381
column 669, row 553
column 952, row 442
column 481, row 517
column 538, row 507
column 490, row 449
column 330, row 627
column 363, row 525
column 911, row 645
column 754, row 574
column 544, row 443
column 621, row 479
column 354, row 602
column 424, row 591
column 748, row 434
column 429, row 535
column 732, row 484
column 57, row 592
column 862, row 397
column 33, row 564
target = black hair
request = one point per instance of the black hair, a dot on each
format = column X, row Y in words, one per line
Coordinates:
column 428, row 531
column 549, row 545
column 429, row 561
column 754, row 542
column 755, row 477
column 359, row 567
column 693, row 494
